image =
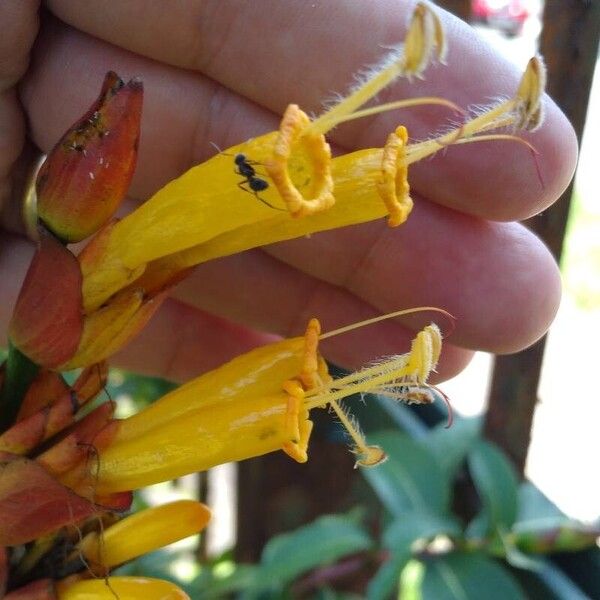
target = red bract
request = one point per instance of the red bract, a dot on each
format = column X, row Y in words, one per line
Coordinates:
column 48, row 318
column 33, row 500
column 86, row 176
column 43, row 415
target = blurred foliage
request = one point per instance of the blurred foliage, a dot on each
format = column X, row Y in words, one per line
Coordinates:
column 420, row 547
column 135, row 392
column 580, row 263
column 411, row 537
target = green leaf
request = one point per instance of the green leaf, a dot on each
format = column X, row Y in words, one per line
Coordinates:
column 19, row 372
column 462, row 576
column 386, row 579
column 209, row 587
column 418, row 525
column 560, row 585
column 516, row 558
column 324, row 541
column 533, row 504
column 451, row 446
column 496, row 482
column 479, row 526
column 399, row 538
column 410, row 479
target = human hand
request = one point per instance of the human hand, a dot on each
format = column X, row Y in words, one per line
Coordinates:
column 223, row 72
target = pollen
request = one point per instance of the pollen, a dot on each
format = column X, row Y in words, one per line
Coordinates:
column 300, row 166
column 393, row 188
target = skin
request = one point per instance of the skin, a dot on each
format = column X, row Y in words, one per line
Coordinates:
column 222, row 72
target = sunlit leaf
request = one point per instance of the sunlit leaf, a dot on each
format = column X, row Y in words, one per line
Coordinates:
column 411, row 478
column 461, row 576
column 451, row 445
column 322, row 542
column 496, row 482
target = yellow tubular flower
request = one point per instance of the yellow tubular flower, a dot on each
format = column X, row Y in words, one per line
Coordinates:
column 255, row 404
column 124, row 588
column 143, row 532
column 203, row 214
column 370, row 183
column 206, row 202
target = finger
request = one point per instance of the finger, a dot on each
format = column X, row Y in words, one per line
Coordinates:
column 15, row 256
column 20, row 18
column 184, row 111
column 273, row 54
column 181, row 342
column 497, row 279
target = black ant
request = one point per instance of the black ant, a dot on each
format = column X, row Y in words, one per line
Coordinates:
column 245, row 168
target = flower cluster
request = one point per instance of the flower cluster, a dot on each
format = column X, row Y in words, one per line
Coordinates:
column 67, row 466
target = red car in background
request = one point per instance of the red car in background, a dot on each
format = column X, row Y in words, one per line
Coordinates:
column 508, row 16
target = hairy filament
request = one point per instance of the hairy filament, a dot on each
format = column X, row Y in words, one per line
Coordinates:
column 425, row 36
column 361, row 381
column 335, row 120
column 350, row 425
column 392, row 315
column 498, row 136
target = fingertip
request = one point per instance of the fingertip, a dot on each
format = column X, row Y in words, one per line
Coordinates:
column 452, row 362
column 537, row 286
column 556, row 147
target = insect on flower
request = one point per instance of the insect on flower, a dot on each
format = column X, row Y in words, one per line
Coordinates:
column 245, row 168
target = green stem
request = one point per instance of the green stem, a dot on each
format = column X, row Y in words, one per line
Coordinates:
column 19, row 372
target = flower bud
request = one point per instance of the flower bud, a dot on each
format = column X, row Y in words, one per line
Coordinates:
column 86, row 176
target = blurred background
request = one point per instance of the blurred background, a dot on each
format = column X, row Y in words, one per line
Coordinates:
column 549, row 387
column 565, row 441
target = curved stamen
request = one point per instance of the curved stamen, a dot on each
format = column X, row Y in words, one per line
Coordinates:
column 392, row 315
column 335, row 120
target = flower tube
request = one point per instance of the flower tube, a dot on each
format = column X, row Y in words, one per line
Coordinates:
column 255, row 404
column 202, row 215
column 141, row 533
column 124, row 588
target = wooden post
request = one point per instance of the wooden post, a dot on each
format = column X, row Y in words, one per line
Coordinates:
column 201, row 496
column 276, row 494
column 569, row 44
column 460, row 8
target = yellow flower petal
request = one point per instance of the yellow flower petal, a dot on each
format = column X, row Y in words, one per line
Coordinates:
column 104, row 328
column 143, row 532
column 257, row 373
column 124, row 588
column 393, row 186
column 248, row 407
column 300, row 166
column 202, row 203
column 365, row 188
column 199, row 440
